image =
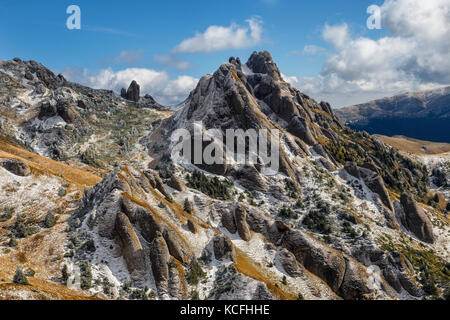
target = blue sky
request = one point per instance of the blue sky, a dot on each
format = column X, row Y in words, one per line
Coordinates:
column 144, row 35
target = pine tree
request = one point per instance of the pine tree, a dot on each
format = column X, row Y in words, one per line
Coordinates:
column 19, row 278
column 65, row 274
column 12, row 242
column 188, row 206
column 50, row 220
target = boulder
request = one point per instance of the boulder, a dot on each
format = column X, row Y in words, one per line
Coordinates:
column 177, row 247
column 240, row 216
column 290, row 264
column 228, row 222
column 416, row 220
column 191, row 226
column 123, row 93
column 317, row 258
column 376, row 184
column 159, row 258
column 131, row 246
column 17, row 167
column 223, row 248
column 66, row 112
column 352, row 169
column 47, row 111
column 176, row 183
column 299, row 127
column 250, row 178
column 133, row 92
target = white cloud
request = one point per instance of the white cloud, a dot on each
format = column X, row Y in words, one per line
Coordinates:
column 129, row 56
column 337, row 35
column 312, row 50
column 217, row 38
column 156, row 83
column 172, row 61
column 125, row 57
column 415, row 55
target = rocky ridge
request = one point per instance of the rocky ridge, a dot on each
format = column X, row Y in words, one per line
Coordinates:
column 327, row 225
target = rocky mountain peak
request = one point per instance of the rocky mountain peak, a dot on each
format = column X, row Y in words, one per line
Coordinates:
column 146, row 225
column 262, row 62
column 32, row 72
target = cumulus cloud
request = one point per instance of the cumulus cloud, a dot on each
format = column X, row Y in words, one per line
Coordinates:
column 312, row 50
column 415, row 55
column 125, row 57
column 156, row 83
column 172, row 61
column 217, row 38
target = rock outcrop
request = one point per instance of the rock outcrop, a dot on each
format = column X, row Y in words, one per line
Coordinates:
column 240, row 216
column 249, row 177
column 324, row 262
column 131, row 246
column 17, row 167
column 176, row 183
column 373, row 181
column 415, row 219
column 134, row 92
column 352, row 169
column 159, row 257
column 223, row 248
column 376, row 184
column 177, row 248
column 229, row 222
column 394, row 267
column 262, row 62
column 299, row 127
column 290, row 264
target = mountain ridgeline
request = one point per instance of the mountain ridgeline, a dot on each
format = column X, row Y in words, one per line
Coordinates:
column 343, row 218
column 422, row 115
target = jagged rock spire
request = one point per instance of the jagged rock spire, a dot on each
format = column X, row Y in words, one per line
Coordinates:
column 133, row 93
column 262, row 62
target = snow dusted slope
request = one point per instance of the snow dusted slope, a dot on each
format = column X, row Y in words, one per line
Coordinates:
column 332, row 223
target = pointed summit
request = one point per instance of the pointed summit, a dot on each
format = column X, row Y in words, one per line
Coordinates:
column 262, row 62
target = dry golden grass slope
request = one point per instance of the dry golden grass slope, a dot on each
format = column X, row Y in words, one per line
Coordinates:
column 47, row 166
column 415, row 146
column 33, row 197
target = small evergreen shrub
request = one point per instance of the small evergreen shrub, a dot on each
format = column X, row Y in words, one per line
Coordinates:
column 50, row 220
column 196, row 273
column 288, row 213
column 65, row 274
column 188, row 206
column 85, row 275
column 213, row 187
column 7, row 214
column 317, row 221
column 20, row 278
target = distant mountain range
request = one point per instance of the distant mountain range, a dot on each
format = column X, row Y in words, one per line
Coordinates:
column 422, row 115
